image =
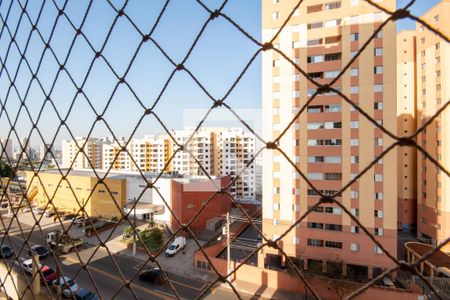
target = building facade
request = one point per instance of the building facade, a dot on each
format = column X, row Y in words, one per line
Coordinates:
column 211, row 151
column 433, row 87
column 330, row 142
column 72, row 157
column 406, row 122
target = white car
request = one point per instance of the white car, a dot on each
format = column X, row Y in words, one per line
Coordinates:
column 178, row 244
column 27, row 265
column 68, row 286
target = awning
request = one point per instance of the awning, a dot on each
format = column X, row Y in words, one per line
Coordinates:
column 144, row 208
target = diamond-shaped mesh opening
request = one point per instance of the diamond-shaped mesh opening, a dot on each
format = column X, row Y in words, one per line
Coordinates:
column 60, row 68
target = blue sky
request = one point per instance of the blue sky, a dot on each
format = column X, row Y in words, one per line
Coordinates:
column 219, row 57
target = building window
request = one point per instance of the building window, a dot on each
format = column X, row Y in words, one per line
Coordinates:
column 354, row 229
column 378, row 105
column 378, row 51
column 378, row 69
column 354, row 159
column 354, row 89
column 379, row 196
column 296, row 44
column 355, row 212
column 422, row 40
column 378, row 178
column 314, row 42
column 354, row 247
column 354, row 36
column 378, row 142
column 276, row 222
column 378, row 213
column 315, row 243
column 315, row 59
column 378, row 250
column 332, row 244
column 436, row 18
column 331, row 74
column 276, row 15
column 378, row 231
column 332, row 5
column 354, row 142
column 354, row 124
column 378, row 88
column 295, row 240
column 354, row 72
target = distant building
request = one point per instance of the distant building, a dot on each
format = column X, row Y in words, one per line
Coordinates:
column 83, row 153
column 45, row 152
column 6, row 149
column 211, row 151
column 183, row 196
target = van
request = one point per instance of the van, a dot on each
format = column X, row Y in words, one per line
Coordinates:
column 178, row 244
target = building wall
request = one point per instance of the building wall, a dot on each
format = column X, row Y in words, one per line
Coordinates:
column 433, row 86
column 188, row 198
column 99, row 202
column 406, row 116
column 285, row 195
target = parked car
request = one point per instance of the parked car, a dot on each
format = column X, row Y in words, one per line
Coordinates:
column 48, row 275
column 84, row 221
column 37, row 211
column 85, row 294
column 178, row 244
column 153, row 275
column 67, row 285
column 40, row 250
column 4, row 204
column 49, row 213
column 6, row 252
column 27, row 265
column 69, row 217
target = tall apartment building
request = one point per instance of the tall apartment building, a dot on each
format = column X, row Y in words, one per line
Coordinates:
column 92, row 156
column 149, row 154
column 234, row 149
column 220, row 151
column 201, row 147
column 330, row 142
column 25, row 148
column 433, row 86
column 6, row 149
column 406, row 122
column 43, row 154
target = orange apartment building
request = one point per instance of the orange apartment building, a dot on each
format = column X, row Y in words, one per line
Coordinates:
column 330, row 142
column 433, row 87
column 406, row 117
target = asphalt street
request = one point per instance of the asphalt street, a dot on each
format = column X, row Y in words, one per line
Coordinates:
column 107, row 274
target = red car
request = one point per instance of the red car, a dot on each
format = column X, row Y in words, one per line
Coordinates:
column 48, row 275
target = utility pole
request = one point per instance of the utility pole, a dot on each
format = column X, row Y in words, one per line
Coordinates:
column 134, row 229
column 228, row 244
column 58, row 271
column 83, row 219
column 36, row 285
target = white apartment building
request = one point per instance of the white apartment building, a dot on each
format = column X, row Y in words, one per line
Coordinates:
column 201, row 147
column 215, row 151
column 92, row 149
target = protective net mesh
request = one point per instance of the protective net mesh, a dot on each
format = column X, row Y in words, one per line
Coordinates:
column 20, row 26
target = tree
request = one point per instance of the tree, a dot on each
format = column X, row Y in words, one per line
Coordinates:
column 337, row 281
column 5, row 170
